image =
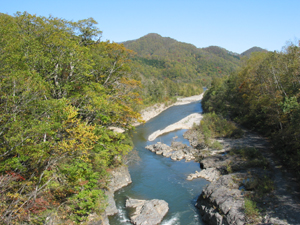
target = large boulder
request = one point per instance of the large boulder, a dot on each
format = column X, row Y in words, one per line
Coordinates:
column 120, row 177
column 210, row 174
column 147, row 212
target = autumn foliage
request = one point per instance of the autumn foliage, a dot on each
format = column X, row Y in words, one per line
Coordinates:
column 61, row 89
column 264, row 95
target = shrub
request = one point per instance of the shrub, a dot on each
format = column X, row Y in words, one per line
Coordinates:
column 251, row 211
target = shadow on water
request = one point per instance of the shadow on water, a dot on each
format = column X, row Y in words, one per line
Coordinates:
column 157, row 177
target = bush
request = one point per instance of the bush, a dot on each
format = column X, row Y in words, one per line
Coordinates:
column 251, row 211
column 214, row 126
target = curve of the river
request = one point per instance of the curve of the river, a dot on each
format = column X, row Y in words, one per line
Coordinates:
column 157, row 177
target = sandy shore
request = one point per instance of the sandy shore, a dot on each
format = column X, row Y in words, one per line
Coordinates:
column 185, row 123
column 156, row 109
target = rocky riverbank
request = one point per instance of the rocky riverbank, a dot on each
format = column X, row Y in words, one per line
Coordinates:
column 245, row 184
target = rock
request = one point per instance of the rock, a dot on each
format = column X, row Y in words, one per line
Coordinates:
column 94, row 219
column 120, row 177
column 218, row 161
column 210, row 174
column 177, row 151
column 147, row 212
column 111, row 208
column 160, row 148
column 177, row 155
column 192, row 136
column 221, row 202
column 178, row 145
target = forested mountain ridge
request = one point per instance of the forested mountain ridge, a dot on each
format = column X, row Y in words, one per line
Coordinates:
column 171, row 53
column 169, row 68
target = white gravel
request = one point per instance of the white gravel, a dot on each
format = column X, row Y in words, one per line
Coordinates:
column 185, row 123
column 156, row 109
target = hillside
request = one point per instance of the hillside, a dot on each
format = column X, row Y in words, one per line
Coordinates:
column 169, row 68
column 181, row 61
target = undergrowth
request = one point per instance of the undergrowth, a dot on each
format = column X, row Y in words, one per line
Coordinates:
column 214, row 126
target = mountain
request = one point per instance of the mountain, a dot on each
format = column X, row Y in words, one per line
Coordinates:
column 253, row 49
column 180, row 61
column 169, row 68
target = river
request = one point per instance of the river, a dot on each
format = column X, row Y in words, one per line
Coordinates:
column 158, row 177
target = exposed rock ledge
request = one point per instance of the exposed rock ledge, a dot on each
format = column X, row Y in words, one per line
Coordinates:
column 120, row 177
column 185, row 123
column 147, row 212
column 221, row 202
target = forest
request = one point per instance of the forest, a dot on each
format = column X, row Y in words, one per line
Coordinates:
column 263, row 95
column 168, row 68
column 61, row 90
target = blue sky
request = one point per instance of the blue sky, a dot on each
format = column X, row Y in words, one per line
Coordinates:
column 236, row 25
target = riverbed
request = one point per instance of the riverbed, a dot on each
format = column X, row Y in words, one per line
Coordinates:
column 157, row 177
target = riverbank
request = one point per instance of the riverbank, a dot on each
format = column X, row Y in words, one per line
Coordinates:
column 247, row 185
column 185, row 123
column 153, row 111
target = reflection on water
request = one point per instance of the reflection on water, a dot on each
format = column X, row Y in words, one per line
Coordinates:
column 157, row 177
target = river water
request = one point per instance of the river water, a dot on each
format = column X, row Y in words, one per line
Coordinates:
column 158, row 177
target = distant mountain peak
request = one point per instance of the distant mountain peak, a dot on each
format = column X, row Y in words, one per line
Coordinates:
column 253, row 49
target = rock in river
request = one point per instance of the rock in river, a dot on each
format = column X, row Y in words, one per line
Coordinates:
column 147, row 212
column 177, row 151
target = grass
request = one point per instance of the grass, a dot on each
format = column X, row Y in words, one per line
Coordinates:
column 251, row 211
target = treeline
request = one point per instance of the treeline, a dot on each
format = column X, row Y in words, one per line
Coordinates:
column 61, row 90
column 173, row 68
column 264, row 95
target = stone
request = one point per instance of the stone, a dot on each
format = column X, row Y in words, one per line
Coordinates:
column 148, row 212
column 120, row 177
column 177, row 151
column 210, row 174
column 178, row 145
column 222, row 197
column 111, row 208
column 177, row 155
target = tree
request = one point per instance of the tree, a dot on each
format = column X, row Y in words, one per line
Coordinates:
column 61, row 89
